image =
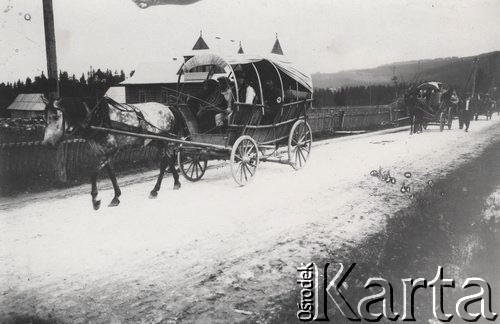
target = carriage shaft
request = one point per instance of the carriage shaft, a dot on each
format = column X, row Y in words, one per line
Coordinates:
column 158, row 137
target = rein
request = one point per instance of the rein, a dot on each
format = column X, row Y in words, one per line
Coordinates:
column 209, row 106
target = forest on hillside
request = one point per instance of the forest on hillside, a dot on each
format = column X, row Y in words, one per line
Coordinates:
column 69, row 86
column 359, row 95
column 454, row 71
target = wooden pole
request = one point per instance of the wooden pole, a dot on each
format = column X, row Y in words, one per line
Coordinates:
column 50, row 48
column 474, row 76
column 53, row 77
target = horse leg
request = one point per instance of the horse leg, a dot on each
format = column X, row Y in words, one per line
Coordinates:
column 175, row 174
column 111, row 173
column 95, row 201
column 163, row 166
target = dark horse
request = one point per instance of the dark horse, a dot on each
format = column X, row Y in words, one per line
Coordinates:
column 415, row 112
column 74, row 116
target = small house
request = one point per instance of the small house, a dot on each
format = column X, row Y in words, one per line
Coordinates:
column 27, row 105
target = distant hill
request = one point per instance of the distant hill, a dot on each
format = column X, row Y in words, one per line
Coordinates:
column 452, row 70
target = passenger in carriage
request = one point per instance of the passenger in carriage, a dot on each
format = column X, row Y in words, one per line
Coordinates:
column 247, row 93
column 272, row 100
column 428, row 95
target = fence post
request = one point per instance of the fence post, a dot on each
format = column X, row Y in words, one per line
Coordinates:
column 342, row 113
column 60, row 167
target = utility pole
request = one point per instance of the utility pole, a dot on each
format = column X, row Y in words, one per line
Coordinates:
column 395, row 80
column 474, row 75
column 50, row 48
column 53, row 76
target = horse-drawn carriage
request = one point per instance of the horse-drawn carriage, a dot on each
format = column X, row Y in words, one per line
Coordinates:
column 482, row 105
column 254, row 131
column 262, row 109
column 437, row 110
column 431, row 104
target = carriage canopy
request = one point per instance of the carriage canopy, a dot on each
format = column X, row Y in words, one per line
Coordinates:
column 431, row 85
column 291, row 81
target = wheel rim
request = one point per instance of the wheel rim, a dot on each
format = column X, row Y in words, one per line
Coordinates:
column 299, row 144
column 244, row 160
column 191, row 166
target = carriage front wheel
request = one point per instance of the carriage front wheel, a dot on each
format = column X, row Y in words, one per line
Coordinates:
column 244, row 160
column 191, row 165
column 299, row 144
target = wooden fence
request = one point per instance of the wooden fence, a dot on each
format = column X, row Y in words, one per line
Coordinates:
column 324, row 122
column 27, row 163
column 356, row 118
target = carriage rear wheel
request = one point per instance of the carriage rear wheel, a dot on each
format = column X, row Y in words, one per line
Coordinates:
column 191, row 165
column 299, row 144
column 244, row 160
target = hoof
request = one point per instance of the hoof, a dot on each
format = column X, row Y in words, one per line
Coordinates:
column 96, row 204
column 115, row 202
column 153, row 194
column 177, row 186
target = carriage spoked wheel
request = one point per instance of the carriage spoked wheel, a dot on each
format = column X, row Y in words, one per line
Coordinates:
column 191, row 165
column 299, row 144
column 442, row 121
column 244, row 160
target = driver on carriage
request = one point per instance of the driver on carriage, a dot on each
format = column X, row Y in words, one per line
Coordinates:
column 210, row 103
column 222, row 118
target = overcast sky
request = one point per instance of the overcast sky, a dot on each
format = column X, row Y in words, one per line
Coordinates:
column 318, row 35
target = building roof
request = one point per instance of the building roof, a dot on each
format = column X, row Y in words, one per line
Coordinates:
column 277, row 47
column 240, row 50
column 200, row 44
column 155, row 73
column 28, row 102
column 117, row 93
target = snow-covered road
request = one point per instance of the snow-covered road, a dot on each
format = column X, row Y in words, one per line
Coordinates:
column 212, row 250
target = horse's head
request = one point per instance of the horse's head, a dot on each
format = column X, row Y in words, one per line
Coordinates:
column 409, row 95
column 56, row 123
column 64, row 117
